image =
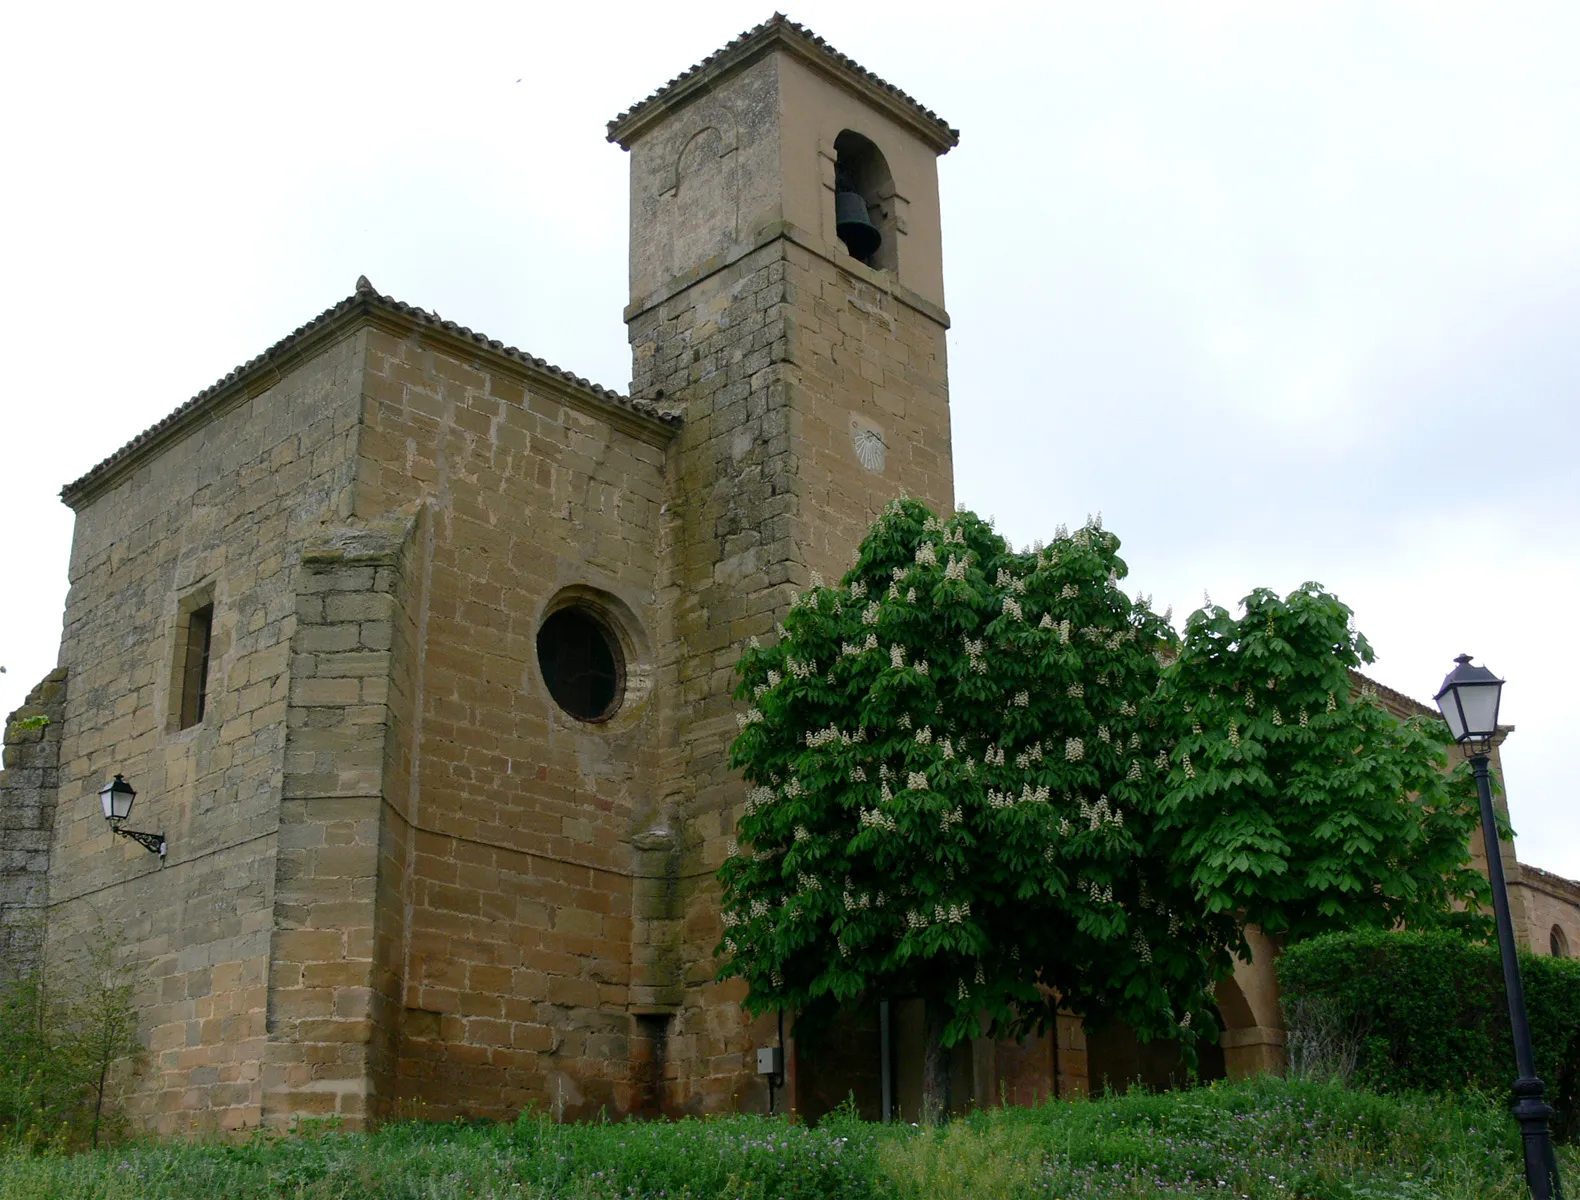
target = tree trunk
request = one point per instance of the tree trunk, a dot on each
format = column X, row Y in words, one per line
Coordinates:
column 935, row 1066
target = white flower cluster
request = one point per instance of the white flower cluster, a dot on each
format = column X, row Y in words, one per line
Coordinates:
column 953, row 817
column 858, row 590
column 954, row 914
column 801, row 833
column 859, row 774
column 731, row 848
column 1162, row 760
column 1190, row 771
column 915, row 919
column 826, row 737
column 905, row 721
column 1069, row 592
column 808, row 883
column 1234, row 733
column 1074, row 749
column 980, row 977
column 1127, row 709
column 956, row 569
column 750, row 717
column 874, row 818
column 926, row 555
column 922, row 667
column 1141, row 946
column 1195, row 727
column 1101, row 895
column 855, row 902
column 1304, row 720
column 1332, row 703
column 816, row 579
column 793, row 788
column 1103, row 735
column 947, row 747
column 916, row 781
column 1099, row 814
column 849, row 648
column 1022, row 699
column 1135, row 769
column 869, row 615
column 961, row 993
column 1278, row 717
column 974, row 655
column 1075, row 691
column 993, row 756
column 1028, row 795
column 731, row 919
column 759, row 907
column 897, row 657
column 1046, row 622
column 1064, row 827
column 924, row 736
column 1012, row 607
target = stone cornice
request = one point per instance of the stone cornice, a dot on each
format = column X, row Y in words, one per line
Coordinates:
column 789, row 232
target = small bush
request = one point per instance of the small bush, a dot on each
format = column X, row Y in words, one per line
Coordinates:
column 1431, row 1012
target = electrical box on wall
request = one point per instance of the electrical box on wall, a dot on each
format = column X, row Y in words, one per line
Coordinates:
column 770, row 1061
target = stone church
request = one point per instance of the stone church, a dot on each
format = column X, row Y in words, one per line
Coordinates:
column 418, row 653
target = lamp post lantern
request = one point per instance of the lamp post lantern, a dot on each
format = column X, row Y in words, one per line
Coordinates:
column 116, row 797
column 1469, row 702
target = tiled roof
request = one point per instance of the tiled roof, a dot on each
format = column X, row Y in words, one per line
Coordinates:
column 782, row 27
column 1398, row 699
column 365, row 297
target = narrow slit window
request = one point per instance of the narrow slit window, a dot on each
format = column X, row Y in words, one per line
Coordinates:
column 194, row 675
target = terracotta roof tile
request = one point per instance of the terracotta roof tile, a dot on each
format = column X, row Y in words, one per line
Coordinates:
column 364, row 296
column 780, row 25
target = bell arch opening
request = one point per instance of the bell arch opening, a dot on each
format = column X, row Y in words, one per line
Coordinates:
column 864, row 215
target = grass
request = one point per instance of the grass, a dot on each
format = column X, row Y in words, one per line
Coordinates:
column 1261, row 1139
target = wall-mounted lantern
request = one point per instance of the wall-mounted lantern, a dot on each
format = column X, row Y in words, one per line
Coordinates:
column 117, row 797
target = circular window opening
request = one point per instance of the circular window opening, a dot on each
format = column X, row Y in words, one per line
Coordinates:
column 582, row 664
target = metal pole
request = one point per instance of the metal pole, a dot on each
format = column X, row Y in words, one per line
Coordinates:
column 1541, row 1166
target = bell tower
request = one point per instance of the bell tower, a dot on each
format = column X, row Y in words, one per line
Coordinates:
column 787, row 300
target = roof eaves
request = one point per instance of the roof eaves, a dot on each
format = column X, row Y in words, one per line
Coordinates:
column 779, row 27
column 364, row 299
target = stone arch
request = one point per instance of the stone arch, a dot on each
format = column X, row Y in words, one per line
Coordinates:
column 859, row 166
column 1557, row 943
column 704, row 180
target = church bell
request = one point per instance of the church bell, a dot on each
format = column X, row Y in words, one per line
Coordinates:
column 854, row 226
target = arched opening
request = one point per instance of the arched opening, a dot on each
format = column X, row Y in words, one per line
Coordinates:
column 861, row 170
column 1557, row 943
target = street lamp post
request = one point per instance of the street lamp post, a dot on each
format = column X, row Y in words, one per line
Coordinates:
column 1469, row 702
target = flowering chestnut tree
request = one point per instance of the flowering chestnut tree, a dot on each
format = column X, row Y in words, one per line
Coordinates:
column 992, row 779
column 1294, row 798
column 954, row 759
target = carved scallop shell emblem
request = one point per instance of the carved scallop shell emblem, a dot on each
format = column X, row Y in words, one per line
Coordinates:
column 869, row 447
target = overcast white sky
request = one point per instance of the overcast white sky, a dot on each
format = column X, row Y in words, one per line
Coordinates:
column 1287, row 291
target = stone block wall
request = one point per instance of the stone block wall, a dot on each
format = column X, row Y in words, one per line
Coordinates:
column 781, row 357
column 518, row 822
column 29, row 781
column 220, row 513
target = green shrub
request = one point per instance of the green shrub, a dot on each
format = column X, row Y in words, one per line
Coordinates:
column 1431, row 1014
